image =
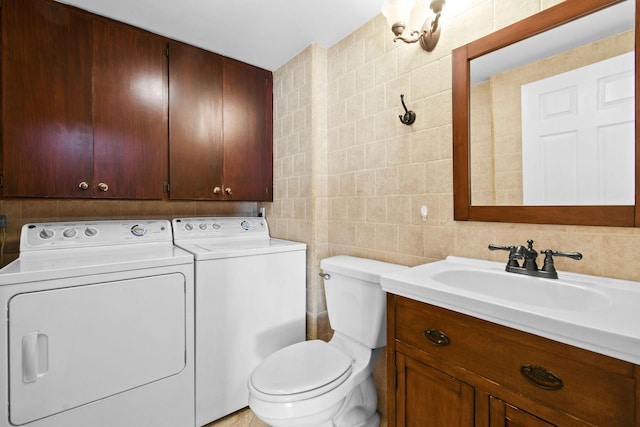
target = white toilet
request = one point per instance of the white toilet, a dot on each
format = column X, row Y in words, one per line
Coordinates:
column 320, row 384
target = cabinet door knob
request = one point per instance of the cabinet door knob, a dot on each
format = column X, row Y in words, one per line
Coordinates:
column 217, row 190
column 436, row 337
column 227, row 190
column 541, row 378
column 83, row 185
column 103, row 187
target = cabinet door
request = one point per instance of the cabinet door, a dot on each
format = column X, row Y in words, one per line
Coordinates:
column 502, row 414
column 248, row 135
column 46, row 101
column 129, row 111
column 195, row 123
column 428, row 397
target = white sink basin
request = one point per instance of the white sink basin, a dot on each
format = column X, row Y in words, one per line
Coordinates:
column 595, row 313
column 545, row 293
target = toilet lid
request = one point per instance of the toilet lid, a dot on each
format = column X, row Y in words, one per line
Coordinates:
column 301, row 367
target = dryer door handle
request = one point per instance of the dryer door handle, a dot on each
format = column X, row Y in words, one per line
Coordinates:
column 34, row 356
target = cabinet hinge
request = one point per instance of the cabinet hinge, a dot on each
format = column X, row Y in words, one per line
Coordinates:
column 166, row 187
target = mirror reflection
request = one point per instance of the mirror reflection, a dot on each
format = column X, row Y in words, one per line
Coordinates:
column 552, row 117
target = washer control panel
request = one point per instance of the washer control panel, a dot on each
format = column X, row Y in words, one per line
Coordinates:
column 59, row 235
column 219, row 227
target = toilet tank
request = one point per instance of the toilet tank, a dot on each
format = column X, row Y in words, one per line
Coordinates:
column 355, row 301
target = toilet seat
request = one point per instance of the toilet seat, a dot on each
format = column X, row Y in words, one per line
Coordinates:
column 300, row 371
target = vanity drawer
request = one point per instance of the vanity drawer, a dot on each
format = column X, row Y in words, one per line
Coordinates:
column 590, row 386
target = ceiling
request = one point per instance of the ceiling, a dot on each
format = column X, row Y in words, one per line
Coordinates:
column 588, row 29
column 265, row 33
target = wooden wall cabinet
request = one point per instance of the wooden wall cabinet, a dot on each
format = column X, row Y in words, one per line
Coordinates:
column 474, row 378
column 220, row 114
column 130, row 108
column 86, row 112
column 47, row 56
column 84, row 105
column 195, row 123
column 248, row 133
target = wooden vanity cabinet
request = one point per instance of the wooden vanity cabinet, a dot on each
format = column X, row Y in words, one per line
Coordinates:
column 84, row 105
column 450, row 369
column 220, row 125
column 428, row 397
column 502, row 414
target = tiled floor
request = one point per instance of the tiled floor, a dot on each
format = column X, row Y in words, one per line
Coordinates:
column 245, row 418
column 242, row 418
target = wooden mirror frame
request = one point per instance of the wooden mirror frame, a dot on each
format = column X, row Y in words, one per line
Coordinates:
column 569, row 10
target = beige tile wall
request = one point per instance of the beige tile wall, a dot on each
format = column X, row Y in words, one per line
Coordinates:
column 370, row 174
column 299, row 210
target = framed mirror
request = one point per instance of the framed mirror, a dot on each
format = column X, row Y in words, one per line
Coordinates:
column 545, row 119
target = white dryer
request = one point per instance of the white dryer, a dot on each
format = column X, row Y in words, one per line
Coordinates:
column 97, row 327
column 250, row 302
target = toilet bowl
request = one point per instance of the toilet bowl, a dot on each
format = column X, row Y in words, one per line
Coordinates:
column 317, row 383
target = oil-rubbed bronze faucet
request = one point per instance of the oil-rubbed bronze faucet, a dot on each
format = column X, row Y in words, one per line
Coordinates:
column 529, row 255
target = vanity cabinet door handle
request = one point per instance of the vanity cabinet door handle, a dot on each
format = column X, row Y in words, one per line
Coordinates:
column 541, row 378
column 436, row 337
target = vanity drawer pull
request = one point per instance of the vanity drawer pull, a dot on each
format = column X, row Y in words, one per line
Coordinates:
column 541, row 378
column 436, row 337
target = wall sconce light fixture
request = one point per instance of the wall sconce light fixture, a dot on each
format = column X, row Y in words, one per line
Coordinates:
column 398, row 13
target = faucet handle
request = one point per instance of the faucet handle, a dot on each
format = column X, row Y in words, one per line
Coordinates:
column 493, row 247
column 515, row 253
column 573, row 255
column 548, row 265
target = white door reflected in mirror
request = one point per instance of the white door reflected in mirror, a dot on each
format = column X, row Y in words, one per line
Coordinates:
column 578, row 136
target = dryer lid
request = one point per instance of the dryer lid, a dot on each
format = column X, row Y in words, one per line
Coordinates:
column 300, row 368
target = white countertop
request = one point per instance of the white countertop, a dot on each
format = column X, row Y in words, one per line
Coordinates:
column 590, row 312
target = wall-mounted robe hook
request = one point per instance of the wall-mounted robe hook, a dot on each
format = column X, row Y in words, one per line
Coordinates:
column 409, row 116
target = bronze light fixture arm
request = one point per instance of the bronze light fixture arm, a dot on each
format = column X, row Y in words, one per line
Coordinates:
column 429, row 35
column 415, row 36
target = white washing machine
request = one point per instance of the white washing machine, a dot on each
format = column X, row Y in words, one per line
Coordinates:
column 97, row 327
column 250, row 302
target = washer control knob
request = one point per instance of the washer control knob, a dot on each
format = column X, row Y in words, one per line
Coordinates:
column 246, row 225
column 138, row 230
column 188, row 226
column 203, row 226
column 69, row 232
column 216, row 226
column 90, row 231
column 45, row 234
